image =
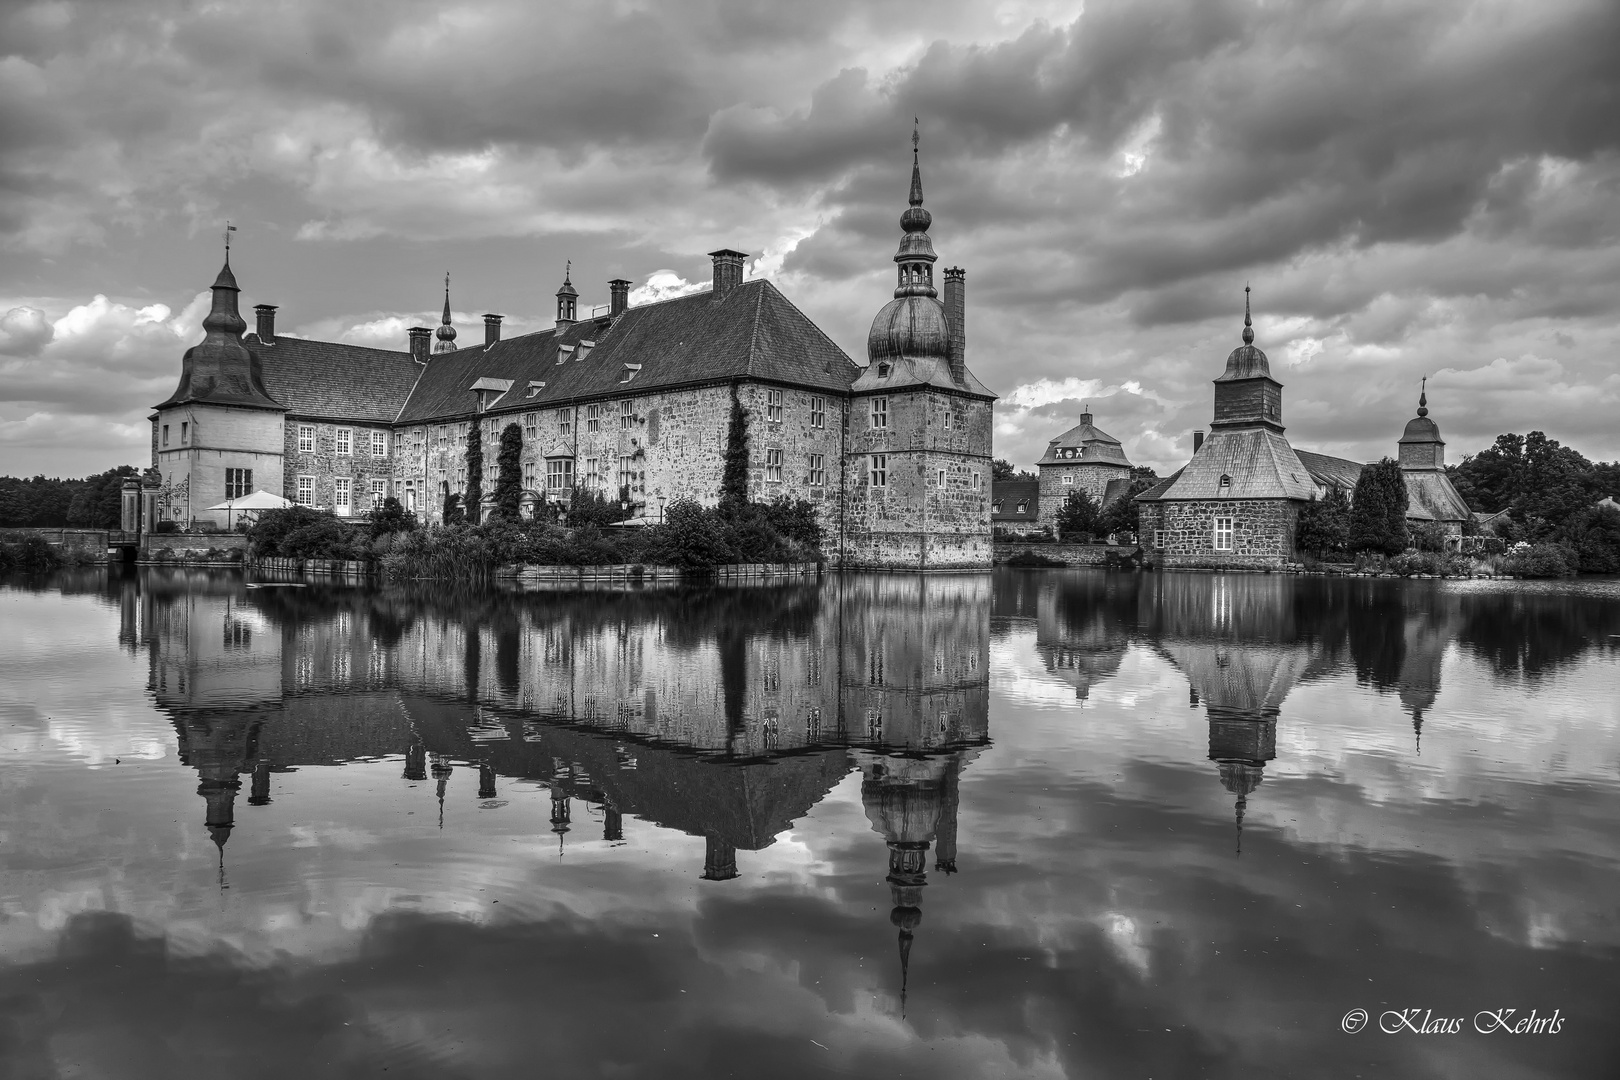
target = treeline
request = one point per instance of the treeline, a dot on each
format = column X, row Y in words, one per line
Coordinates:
column 1539, row 482
column 50, row 502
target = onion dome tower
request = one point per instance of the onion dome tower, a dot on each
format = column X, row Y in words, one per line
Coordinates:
column 220, row 369
column 912, row 326
column 446, row 334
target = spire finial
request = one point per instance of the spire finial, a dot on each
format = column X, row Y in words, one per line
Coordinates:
column 1248, row 323
column 568, row 270
column 446, row 319
column 916, row 168
column 229, row 228
column 1423, row 397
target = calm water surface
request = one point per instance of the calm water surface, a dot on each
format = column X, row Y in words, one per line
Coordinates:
column 1040, row 823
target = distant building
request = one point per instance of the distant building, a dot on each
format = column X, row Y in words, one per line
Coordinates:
column 1015, row 506
column 1084, row 458
column 1430, row 496
column 630, row 402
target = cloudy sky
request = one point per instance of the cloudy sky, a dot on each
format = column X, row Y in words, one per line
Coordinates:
column 1411, row 188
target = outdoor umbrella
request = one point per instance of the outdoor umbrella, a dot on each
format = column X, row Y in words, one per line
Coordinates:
column 258, row 500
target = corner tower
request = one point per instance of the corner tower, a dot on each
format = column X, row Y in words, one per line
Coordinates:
column 917, row 469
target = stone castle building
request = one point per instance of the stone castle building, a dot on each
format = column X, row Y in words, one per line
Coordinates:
column 1084, row 458
column 633, row 403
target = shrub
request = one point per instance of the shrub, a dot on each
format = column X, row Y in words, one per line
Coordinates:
column 691, row 537
column 1428, row 562
column 274, row 526
column 1031, row 558
column 1541, row 561
column 592, row 508
column 734, row 478
column 390, row 517
column 795, row 520
column 31, row 555
column 325, row 538
column 166, row 527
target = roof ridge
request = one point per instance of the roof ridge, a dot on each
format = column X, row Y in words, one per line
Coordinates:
column 753, row 334
column 322, row 341
column 812, row 323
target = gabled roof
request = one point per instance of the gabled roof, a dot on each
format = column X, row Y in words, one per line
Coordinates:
column 753, row 331
column 1158, row 490
column 1325, row 470
column 1009, row 493
column 1084, row 444
column 335, row 379
column 1257, row 461
column 1430, row 496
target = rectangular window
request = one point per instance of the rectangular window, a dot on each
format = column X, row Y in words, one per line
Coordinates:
column 593, row 474
column 341, row 502
column 978, row 482
column 565, row 422
column 627, row 414
column 379, row 493
column 306, row 491
column 880, row 470
column 627, row 474
column 165, row 434
column 773, row 466
column 379, row 444
column 880, row 412
column 531, row 426
column 410, row 495
column 593, row 418
column 942, row 478
column 560, row 474
column 773, row 406
column 306, row 438
column 345, row 441
column 528, row 475
column 818, row 412
column 818, row 470
column 947, row 417
column 184, row 432
column 1223, row 534
column 238, row 483
column 444, row 436
column 1068, row 479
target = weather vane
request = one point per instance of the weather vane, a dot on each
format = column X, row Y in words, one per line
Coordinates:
column 229, row 228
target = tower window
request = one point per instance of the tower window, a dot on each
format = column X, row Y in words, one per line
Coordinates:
column 238, row 483
column 165, row 434
column 880, row 407
column 818, row 412
column 1068, row 478
column 883, row 371
column 773, row 406
column 880, row 470
column 184, row 429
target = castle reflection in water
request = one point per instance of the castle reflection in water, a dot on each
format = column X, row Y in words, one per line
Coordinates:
column 730, row 713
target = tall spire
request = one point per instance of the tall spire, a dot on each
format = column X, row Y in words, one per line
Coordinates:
column 916, row 166
column 1423, row 398
column 1248, row 323
column 445, row 333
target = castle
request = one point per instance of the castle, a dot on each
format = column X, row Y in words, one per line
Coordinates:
column 633, row 403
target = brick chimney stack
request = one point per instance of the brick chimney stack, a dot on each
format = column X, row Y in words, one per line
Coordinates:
column 619, row 294
column 728, row 270
column 267, row 322
column 1198, row 440
column 421, row 343
column 956, row 322
column 492, row 330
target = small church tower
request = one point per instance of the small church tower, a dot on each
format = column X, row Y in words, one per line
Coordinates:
column 918, row 466
column 1431, row 498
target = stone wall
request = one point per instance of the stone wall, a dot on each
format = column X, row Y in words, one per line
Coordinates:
column 89, row 542
column 324, row 465
column 1072, row 554
column 193, row 547
column 205, row 440
column 1183, row 533
column 1090, row 477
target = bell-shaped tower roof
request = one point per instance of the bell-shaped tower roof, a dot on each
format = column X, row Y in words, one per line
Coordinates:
column 220, row 369
column 446, row 334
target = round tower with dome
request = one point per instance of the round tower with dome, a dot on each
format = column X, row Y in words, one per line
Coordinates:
column 918, row 466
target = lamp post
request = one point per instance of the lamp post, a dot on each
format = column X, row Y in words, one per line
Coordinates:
column 660, row 509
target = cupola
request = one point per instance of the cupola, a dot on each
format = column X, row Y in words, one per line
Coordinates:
column 446, row 333
column 567, row 298
column 913, row 325
column 1245, row 394
column 1421, row 446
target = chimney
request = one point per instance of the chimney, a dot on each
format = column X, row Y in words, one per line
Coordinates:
column 619, row 291
column 955, row 321
column 492, row 330
column 1198, row 440
column 728, row 270
column 267, row 322
column 421, row 342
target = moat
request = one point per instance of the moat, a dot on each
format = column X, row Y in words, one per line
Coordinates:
column 1031, row 823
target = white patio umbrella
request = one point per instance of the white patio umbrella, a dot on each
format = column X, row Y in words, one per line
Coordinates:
column 258, row 500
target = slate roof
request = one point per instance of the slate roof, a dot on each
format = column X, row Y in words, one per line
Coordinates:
column 1009, row 493
column 753, row 331
column 1340, row 472
column 1258, row 461
column 1430, row 496
column 1158, row 490
column 334, row 379
column 909, row 371
column 1094, row 444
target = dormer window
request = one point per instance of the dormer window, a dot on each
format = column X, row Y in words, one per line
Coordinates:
column 629, row 372
column 585, row 348
column 995, row 507
column 1226, row 481
column 535, row 386
column 563, row 353
column 1023, row 506
column 883, row 371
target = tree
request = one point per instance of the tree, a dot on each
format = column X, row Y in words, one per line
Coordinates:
column 390, row 517
column 509, row 480
column 691, row 537
column 1538, row 481
column 1594, row 534
column 1001, row 469
column 734, row 480
column 1124, row 514
column 1324, row 525
column 452, row 507
column 1077, row 517
column 1378, row 510
column 475, row 472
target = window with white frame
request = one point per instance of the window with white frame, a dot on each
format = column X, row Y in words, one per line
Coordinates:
column 444, row 436
column 379, row 444
column 529, row 473
column 185, row 429
column 238, row 483
column 593, row 472
column 1223, row 534
column 627, row 474
column 342, row 501
column 345, row 441
column 947, row 417
column 818, row 470
column 560, row 474
column 593, row 418
column 1068, row 479
column 995, row 507
column 165, row 434
column 379, row 493
column 306, row 438
column 773, row 465
column 978, row 482
column 531, row 426
column 880, row 470
column 942, row 478
column 565, row 422
column 818, row 412
column 773, row 406
column 410, row 495
column 880, row 412
column 627, row 413
column 306, row 490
